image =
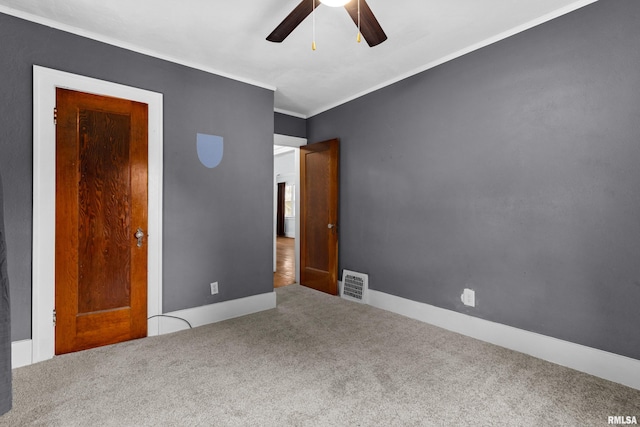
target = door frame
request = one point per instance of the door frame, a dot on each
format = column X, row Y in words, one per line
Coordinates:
column 296, row 142
column 45, row 81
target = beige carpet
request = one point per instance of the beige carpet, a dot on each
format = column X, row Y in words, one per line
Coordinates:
column 315, row 360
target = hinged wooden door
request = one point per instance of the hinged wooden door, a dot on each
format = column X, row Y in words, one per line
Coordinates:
column 319, row 177
column 101, row 220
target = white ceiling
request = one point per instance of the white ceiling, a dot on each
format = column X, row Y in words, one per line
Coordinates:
column 228, row 38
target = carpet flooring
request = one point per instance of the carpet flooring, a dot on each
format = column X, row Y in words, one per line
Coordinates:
column 315, row 360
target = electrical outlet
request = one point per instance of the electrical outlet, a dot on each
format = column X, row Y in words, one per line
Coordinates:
column 214, row 288
column 469, row 297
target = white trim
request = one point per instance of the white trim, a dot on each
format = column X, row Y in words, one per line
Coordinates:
column 289, row 141
column 21, row 353
column 610, row 366
column 506, row 34
column 279, row 150
column 217, row 312
column 129, row 46
column 43, row 265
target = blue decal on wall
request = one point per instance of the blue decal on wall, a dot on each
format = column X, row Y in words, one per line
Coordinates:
column 210, row 149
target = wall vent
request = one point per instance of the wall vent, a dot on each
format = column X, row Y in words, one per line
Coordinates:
column 355, row 286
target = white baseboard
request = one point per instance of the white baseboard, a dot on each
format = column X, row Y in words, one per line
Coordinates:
column 21, row 351
column 610, row 366
column 217, row 312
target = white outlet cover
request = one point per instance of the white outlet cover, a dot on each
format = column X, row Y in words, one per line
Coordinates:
column 214, row 288
column 469, row 297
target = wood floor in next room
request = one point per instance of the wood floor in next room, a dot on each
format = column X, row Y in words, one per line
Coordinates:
column 285, row 262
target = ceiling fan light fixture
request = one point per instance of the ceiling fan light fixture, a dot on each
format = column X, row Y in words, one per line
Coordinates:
column 369, row 28
column 335, row 3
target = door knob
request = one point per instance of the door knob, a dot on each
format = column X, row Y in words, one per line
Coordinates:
column 330, row 226
column 140, row 236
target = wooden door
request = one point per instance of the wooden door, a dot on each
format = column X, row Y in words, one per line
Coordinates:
column 319, row 169
column 282, row 186
column 101, row 202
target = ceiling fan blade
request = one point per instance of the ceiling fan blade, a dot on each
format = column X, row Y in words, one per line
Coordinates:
column 294, row 19
column 369, row 26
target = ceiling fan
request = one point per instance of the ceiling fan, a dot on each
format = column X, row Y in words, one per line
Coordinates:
column 368, row 25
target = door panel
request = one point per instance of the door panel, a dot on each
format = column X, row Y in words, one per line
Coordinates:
column 319, row 166
column 103, row 240
column 101, row 201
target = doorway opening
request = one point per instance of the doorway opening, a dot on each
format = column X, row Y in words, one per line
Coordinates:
column 286, row 202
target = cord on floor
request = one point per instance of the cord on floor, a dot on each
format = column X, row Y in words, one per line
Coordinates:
column 172, row 317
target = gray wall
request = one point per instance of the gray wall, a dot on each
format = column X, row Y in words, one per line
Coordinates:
column 285, row 124
column 6, row 392
column 217, row 222
column 513, row 170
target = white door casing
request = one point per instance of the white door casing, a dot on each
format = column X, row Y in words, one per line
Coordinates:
column 45, row 81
